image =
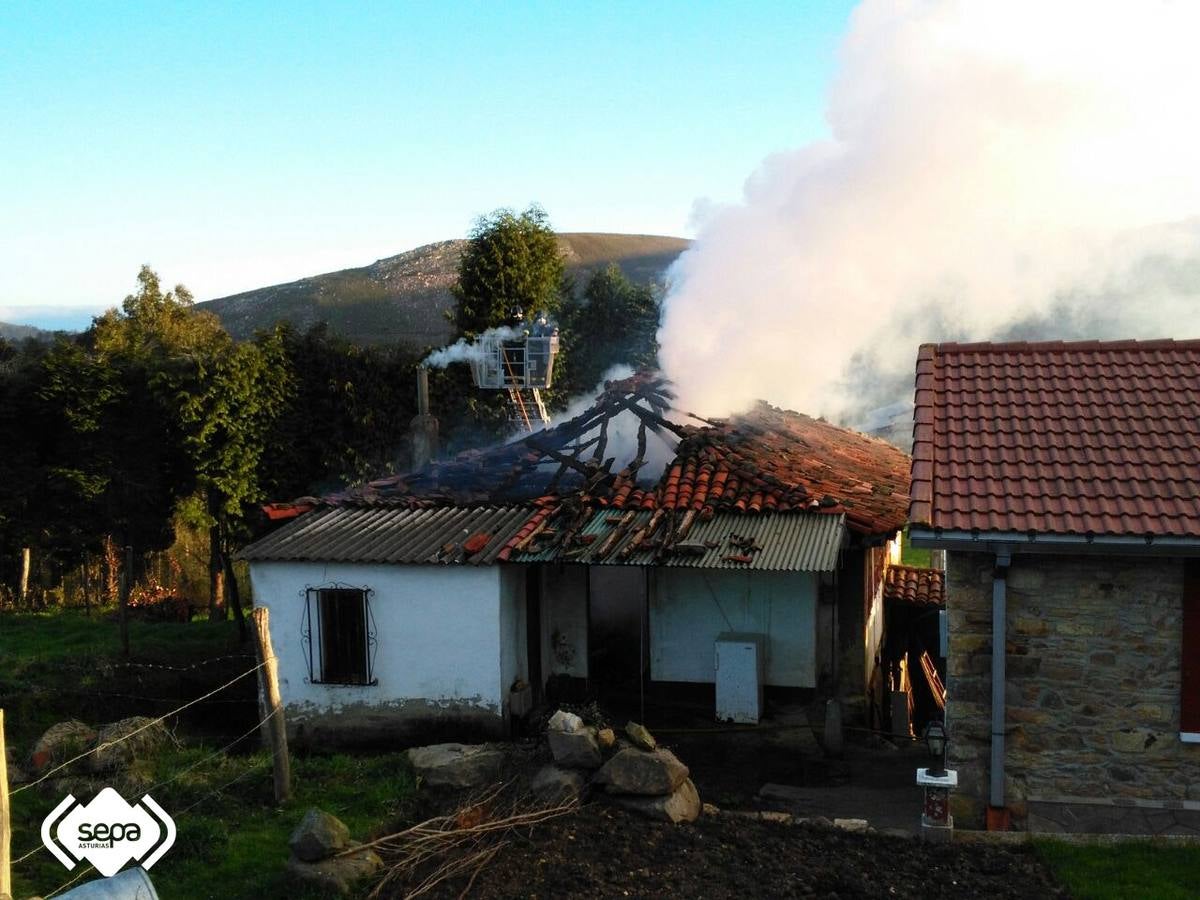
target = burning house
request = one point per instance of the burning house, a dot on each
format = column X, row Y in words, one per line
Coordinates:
column 751, row 566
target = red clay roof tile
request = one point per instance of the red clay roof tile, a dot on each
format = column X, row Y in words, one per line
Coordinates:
column 1059, row 438
column 914, row 586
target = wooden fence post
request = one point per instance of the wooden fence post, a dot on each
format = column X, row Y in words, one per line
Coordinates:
column 275, row 730
column 5, row 832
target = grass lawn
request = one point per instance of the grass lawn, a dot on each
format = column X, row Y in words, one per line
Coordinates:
column 65, row 664
column 1140, row 869
column 27, row 639
column 232, row 839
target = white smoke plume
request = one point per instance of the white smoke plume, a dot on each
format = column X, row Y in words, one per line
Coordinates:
column 463, row 350
column 622, row 431
column 995, row 170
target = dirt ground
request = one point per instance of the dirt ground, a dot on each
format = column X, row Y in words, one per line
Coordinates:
column 601, row 851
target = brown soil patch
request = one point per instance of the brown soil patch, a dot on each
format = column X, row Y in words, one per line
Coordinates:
column 601, row 851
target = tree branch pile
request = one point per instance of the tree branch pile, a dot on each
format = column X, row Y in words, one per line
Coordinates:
column 458, row 846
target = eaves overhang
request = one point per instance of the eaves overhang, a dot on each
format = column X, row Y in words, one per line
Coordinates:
column 1038, row 542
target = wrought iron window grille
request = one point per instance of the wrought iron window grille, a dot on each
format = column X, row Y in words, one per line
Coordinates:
column 338, row 634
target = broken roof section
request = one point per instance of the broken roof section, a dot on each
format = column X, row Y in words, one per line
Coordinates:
column 762, row 461
column 786, row 542
column 567, row 459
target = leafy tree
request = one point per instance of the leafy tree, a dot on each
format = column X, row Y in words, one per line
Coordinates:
column 511, row 260
column 346, row 416
column 225, row 398
column 614, row 321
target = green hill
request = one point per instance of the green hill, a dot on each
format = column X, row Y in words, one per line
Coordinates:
column 403, row 298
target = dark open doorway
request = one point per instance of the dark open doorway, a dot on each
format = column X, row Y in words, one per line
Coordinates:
column 618, row 636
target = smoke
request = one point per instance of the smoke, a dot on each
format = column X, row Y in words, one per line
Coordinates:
column 463, row 350
column 1020, row 170
column 622, row 432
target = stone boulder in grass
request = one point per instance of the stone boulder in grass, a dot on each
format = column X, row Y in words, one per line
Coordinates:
column 324, row 858
column 119, row 744
column 318, row 836
column 59, row 743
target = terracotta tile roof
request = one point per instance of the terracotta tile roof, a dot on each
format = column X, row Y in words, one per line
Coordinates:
column 1092, row 437
column 914, row 585
column 777, row 460
column 762, row 461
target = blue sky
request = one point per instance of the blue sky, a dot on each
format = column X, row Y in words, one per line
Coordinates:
column 237, row 145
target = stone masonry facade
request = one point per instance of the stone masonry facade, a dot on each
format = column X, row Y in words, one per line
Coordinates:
column 1093, row 688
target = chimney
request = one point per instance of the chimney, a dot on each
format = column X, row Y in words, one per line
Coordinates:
column 423, row 431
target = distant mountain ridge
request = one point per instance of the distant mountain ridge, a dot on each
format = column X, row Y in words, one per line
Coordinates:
column 403, row 298
column 11, row 332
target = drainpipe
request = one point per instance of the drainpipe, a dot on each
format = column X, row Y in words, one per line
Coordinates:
column 999, row 642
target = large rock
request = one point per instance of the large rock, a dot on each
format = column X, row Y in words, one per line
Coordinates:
column 59, row 743
column 459, row 766
column 683, row 805
column 565, row 721
column 554, row 785
column 575, row 749
column 642, row 739
column 335, row 877
column 632, row 771
column 120, row 743
column 318, row 836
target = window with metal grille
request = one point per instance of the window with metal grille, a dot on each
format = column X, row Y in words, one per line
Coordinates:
column 339, row 635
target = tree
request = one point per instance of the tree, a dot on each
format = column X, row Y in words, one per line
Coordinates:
column 615, row 321
column 510, row 261
column 226, row 397
column 346, row 415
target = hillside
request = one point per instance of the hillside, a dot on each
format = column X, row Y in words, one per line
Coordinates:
column 14, row 333
column 403, row 298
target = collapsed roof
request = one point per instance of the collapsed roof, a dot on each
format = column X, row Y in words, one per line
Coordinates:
column 766, row 462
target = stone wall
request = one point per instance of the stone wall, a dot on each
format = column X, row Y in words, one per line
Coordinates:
column 1093, row 683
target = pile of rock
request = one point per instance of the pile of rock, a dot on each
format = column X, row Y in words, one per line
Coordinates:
column 649, row 779
column 110, row 747
column 324, row 857
column 638, row 774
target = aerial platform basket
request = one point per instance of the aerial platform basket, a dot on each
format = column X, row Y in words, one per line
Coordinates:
column 518, row 364
column 521, row 363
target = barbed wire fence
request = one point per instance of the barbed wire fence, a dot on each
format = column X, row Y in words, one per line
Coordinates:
column 272, row 713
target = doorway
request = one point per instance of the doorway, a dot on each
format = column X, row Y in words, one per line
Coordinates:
column 618, row 631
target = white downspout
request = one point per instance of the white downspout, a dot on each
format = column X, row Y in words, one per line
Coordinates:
column 999, row 642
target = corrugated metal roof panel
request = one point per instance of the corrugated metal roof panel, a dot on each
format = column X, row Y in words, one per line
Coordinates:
column 383, row 535
column 790, row 542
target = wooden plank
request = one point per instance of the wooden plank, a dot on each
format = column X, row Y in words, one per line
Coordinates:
column 272, row 704
column 5, row 827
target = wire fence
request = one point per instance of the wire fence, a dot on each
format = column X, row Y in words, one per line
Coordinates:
column 220, row 751
column 105, row 745
column 150, row 723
